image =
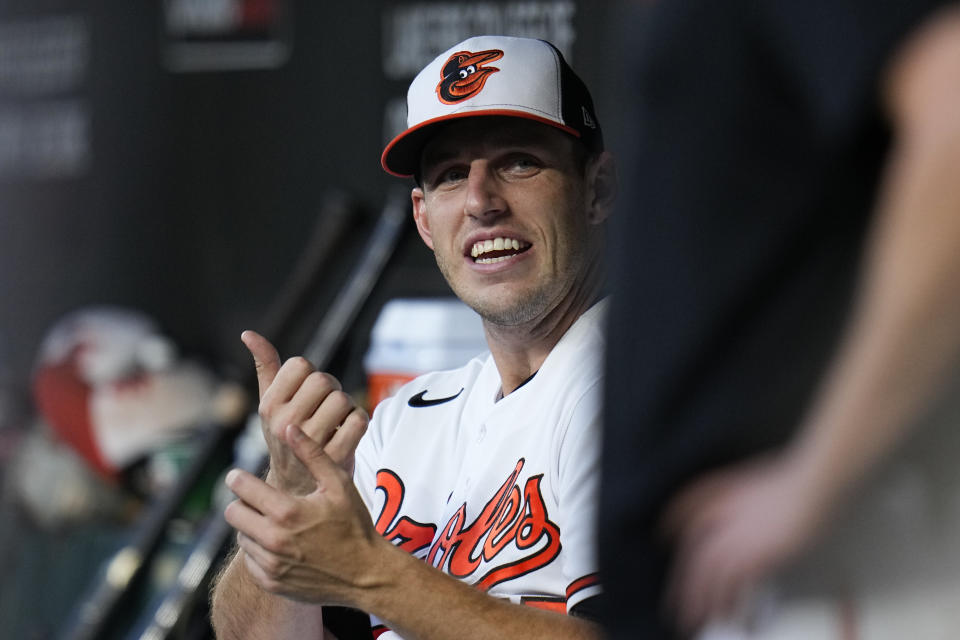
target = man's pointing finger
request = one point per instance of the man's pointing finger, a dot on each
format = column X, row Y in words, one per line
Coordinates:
column 309, row 452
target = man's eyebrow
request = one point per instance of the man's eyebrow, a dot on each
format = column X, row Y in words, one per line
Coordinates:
column 508, row 143
column 440, row 155
column 518, row 139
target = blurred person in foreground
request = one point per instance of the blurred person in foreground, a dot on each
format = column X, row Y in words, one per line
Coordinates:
column 785, row 314
column 469, row 510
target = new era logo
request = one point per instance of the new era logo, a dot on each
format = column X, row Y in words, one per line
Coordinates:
column 588, row 119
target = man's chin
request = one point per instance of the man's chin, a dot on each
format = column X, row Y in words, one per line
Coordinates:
column 515, row 310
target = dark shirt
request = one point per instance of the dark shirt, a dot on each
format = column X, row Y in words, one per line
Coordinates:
column 755, row 142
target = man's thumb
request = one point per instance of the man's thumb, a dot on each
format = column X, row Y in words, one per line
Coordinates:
column 265, row 358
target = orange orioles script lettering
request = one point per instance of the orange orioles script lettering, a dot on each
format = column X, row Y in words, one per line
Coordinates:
column 512, row 517
column 463, row 75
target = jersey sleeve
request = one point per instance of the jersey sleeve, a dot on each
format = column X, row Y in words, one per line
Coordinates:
column 579, row 485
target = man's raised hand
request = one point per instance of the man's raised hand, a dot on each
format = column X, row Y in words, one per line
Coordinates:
column 294, row 393
column 318, row 547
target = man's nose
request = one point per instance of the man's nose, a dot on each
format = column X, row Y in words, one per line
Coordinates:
column 483, row 198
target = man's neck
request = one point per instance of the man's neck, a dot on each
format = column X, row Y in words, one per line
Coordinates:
column 519, row 351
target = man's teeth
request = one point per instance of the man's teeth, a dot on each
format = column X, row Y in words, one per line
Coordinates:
column 490, row 260
column 495, row 244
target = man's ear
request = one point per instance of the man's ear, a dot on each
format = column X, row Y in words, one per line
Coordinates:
column 601, row 182
column 420, row 216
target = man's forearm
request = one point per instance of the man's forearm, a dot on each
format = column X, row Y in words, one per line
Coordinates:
column 421, row 603
column 414, row 599
column 906, row 329
column 242, row 610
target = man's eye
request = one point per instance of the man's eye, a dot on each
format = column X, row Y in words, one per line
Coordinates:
column 523, row 163
column 454, row 174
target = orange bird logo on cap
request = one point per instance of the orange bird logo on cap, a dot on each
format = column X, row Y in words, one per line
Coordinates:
column 463, row 75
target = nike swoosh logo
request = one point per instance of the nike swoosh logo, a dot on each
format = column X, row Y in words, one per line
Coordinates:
column 418, row 400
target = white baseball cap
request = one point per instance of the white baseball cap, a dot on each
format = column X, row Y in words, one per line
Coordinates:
column 493, row 76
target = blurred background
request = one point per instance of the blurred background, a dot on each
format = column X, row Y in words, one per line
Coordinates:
column 172, row 173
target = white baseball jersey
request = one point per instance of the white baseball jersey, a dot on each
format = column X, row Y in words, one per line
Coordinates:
column 500, row 493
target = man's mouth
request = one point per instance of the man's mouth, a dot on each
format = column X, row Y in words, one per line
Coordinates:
column 496, row 249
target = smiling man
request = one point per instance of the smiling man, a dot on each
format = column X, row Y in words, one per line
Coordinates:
column 466, row 508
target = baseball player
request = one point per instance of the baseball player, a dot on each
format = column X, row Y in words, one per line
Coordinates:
column 466, row 508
